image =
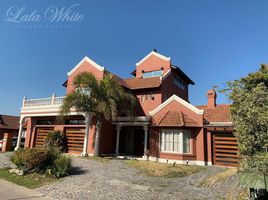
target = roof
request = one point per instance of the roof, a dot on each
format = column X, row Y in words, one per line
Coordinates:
column 86, row 59
column 142, row 83
column 175, row 119
column 155, row 54
column 117, row 78
column 179, row 100
column 220, row 113
column 182, row 74
column 9, row 122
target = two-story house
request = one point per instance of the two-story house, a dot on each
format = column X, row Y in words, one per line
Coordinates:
column 166, row 127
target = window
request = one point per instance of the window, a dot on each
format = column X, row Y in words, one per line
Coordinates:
column 178, row 82
column 85, row 91
column 152, row 74
column 45, row 122
column 75, row 122
column 175, row 141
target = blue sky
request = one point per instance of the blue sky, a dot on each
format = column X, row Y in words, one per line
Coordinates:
column 212, row 42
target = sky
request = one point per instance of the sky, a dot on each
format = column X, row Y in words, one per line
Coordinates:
column 211, row 41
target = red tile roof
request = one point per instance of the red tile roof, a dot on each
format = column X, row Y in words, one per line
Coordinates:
column 142, row 83
column 175, row 119
column 9, row 122
column 221, row 113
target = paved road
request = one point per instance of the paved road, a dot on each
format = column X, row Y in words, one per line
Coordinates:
column 10, row 191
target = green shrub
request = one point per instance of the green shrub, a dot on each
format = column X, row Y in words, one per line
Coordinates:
column 62, row 166
column 56, row 139
column 258, row 162
column 42, row 160
column 30, row 159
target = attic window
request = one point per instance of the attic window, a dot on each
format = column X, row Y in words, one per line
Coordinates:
column 178, row 82
column 152, row 73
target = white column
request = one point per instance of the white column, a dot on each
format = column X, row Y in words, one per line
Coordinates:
column 88, row 118
column 118, row 128
column 53, row 99
column 20, row 133
column 145, row 128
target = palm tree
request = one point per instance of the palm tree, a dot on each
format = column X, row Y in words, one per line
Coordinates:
column 106, row 98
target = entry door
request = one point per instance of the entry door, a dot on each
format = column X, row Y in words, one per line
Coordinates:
column 225, row 151
column 75, row 140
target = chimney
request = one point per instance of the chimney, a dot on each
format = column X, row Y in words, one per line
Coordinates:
column 212, row 95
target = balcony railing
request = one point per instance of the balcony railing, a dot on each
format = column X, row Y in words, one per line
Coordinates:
column 43, row 101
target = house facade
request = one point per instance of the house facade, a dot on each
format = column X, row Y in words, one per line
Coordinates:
column 9, row 124
column 166, row 128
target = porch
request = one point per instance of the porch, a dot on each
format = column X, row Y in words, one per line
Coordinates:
column 131, row 136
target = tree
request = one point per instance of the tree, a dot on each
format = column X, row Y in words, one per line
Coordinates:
column 249, row 111
column 107, row 100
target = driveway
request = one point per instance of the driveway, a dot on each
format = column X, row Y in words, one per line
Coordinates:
column 114, row 179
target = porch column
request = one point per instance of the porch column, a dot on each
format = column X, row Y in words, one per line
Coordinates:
column 20, row 133
column 145, row 128
column 118, row 128
column 88, row 118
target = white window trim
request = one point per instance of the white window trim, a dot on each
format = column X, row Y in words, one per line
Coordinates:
column 181, row 141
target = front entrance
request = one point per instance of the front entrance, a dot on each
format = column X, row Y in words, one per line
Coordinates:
column 131, row 141
column 225, row 151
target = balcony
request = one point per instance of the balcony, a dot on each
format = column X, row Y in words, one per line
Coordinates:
column 51, row 101
column 42, row 105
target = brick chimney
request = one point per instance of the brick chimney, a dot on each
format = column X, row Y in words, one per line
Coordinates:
column 212, row 95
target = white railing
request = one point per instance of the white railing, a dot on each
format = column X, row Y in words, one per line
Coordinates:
column 43, row 101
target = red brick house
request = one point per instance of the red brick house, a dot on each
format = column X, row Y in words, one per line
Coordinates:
column 167, row 126
column 9, row 124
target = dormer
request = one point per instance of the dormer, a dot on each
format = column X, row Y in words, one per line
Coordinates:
column 85, row 65
column 154, row 64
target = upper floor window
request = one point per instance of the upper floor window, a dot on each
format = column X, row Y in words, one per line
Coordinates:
column 178, row 82
column 45, row 122
column 75, row 122
column 152, row 73
column 83, row 90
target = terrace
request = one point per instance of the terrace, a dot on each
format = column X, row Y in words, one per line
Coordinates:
column 42, row 105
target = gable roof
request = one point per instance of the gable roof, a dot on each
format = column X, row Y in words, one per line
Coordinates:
column 175, row 119
column 181, row 101
column 9, row 122
column 220, row 113
column 142, row 83
column 85, row 59
column 155, row 54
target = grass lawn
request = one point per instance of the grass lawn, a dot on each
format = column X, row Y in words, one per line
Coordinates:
column 163, row 170
column 30, row 181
